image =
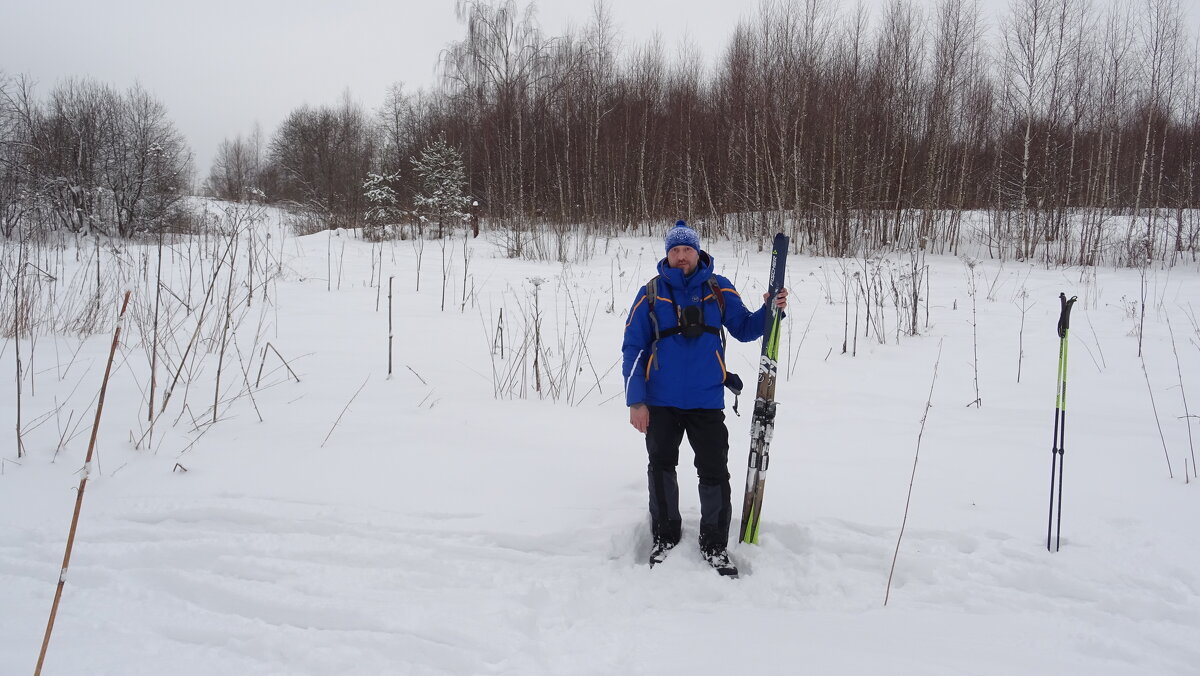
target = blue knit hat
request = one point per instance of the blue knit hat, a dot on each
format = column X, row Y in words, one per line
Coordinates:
column 682, row 235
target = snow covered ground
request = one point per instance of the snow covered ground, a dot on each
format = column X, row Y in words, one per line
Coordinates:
column 452, row 520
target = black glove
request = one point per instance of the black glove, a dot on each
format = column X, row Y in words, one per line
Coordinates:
column 734, row 383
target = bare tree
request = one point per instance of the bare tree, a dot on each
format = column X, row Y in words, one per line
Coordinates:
column 235, row 171
column 14, row 138
column 147, row 165
column 1160, row 28
column 494, row 71
column 90, row 158
column 322, row 155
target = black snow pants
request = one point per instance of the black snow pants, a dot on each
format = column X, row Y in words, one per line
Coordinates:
column 709, row 439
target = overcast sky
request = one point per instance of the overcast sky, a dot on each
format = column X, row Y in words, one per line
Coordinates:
column 221, row 65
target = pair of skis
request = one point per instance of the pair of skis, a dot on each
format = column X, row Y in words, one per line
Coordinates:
column 762, row 424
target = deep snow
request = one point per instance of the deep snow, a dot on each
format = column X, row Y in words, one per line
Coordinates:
column 438, row 528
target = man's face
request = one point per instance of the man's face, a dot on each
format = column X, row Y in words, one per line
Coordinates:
column 684, row 258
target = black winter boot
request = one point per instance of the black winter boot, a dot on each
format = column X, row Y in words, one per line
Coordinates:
column 719, row 560
column 666, row 536
column 713, row 540
column 658, row 553
column 714, row 543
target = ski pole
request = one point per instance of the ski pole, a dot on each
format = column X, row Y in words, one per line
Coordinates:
column 1060, row 423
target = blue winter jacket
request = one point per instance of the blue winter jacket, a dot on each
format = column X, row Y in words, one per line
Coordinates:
column 679, row 371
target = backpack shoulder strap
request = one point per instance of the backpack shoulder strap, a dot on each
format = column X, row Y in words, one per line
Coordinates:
column 651, row 297
column 718, row 295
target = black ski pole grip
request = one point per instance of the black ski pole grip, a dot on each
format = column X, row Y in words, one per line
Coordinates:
column 1064, row 317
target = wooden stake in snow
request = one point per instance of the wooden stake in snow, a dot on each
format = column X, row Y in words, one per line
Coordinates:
column 62, row 576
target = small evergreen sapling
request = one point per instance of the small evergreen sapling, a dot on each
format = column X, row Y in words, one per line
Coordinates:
column 443, row 183
column 384, row 213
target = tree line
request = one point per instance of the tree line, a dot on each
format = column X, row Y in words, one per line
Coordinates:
column 1068, row 122
column 1070, row 131
column 89, row 159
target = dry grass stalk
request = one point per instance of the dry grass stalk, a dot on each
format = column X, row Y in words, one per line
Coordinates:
column 913, row 476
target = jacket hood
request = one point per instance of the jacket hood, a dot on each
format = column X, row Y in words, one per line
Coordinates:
column 675, row 278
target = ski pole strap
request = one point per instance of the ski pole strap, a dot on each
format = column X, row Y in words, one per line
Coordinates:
column 1064, row 316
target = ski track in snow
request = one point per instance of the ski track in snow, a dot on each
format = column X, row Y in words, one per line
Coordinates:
column 439, row 529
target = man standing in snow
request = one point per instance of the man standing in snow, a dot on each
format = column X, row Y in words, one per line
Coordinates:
column 674, row 370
